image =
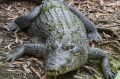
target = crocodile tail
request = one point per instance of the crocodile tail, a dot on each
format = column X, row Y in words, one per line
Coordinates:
column 34, row 1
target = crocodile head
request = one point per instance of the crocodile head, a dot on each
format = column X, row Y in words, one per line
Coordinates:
column 63, row 60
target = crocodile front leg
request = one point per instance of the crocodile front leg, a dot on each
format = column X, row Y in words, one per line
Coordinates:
column 25, row 21
column 89, row 25
column 98, row 54
column 29, row 49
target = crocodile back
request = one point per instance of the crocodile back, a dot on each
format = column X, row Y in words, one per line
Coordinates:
column 57, row 22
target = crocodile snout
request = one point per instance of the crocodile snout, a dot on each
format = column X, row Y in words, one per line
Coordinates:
column 57, row 62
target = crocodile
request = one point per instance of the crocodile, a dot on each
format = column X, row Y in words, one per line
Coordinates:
column 60, row 34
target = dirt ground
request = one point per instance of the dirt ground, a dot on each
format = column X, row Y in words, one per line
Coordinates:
column 104, row 13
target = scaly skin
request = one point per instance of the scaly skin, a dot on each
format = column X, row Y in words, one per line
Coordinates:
column 60, row 34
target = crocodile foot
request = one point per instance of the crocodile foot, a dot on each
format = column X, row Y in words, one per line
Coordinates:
column 12, row 27
column 95, row 37
column 14, row 55
column 110, row 75
column 11, row 57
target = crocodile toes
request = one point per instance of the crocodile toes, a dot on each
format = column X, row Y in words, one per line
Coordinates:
column 110, row 75
column 95, row 37
column 10, row 57
column 12, row 27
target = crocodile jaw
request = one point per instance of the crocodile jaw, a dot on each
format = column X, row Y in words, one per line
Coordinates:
column 72, row 63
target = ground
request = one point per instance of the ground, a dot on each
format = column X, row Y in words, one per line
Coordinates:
column 104, row 13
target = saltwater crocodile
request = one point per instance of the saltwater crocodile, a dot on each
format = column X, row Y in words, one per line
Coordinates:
column 60, row 34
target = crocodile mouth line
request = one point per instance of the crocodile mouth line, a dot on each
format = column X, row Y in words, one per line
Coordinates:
column 56, row 72
column 53, row 72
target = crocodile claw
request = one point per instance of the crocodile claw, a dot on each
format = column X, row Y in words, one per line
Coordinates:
column 12, row 27
column 110, row 75
column 95, row 37
column 10, row 57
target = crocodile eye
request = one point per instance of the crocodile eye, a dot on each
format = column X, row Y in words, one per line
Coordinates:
column 68, row 47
